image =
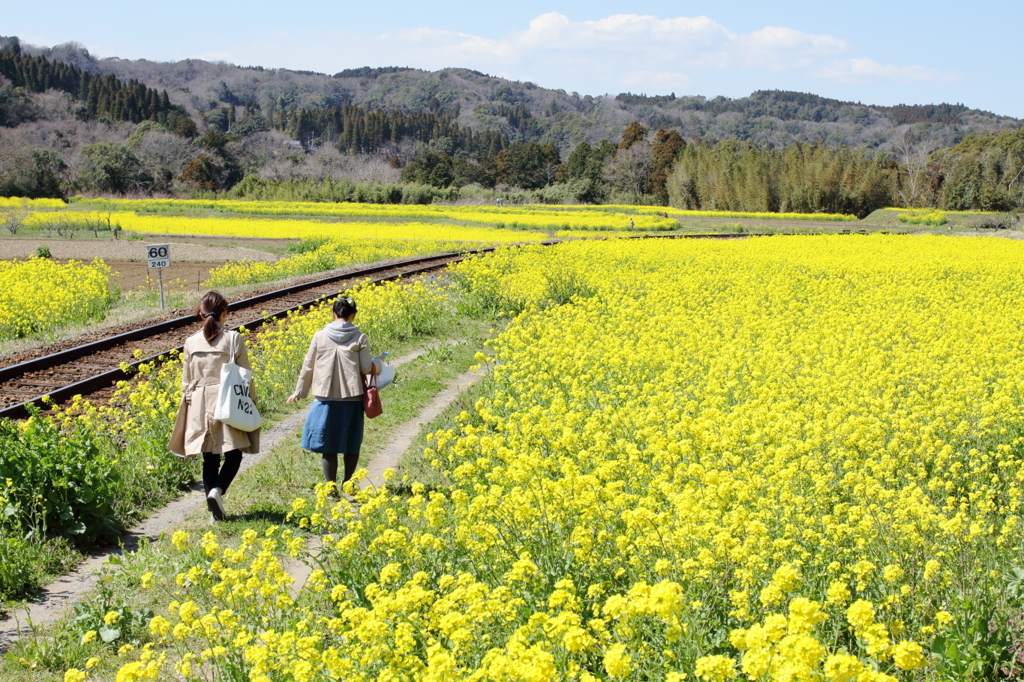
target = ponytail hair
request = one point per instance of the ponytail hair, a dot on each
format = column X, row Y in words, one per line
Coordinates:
column 209, row 310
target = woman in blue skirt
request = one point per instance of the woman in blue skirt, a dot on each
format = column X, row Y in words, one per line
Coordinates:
column 338, row 359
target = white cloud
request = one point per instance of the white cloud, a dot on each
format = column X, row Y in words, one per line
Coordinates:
column 864, row 69
column 639, row 52
column 629, row 50
column 626, row 41
column 214, row 56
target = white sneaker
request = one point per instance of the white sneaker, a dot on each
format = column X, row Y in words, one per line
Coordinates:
column 215, row 504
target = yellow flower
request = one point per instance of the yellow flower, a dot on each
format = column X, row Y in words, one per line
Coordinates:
column 180, row 540
column 838, row 593
column 892, row 573
column 908, row 655
column 842, row 668
column 617, row 661
column 715, row 668
column 860, row 614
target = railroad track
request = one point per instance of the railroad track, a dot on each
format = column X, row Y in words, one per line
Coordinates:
column 93, row 369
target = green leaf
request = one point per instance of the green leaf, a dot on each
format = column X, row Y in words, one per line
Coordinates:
column 109, row 634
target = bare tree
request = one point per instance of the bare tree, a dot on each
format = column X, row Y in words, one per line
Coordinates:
column 912, row 149
column 14, row 216
column 629, row 170
column 163, row 155
column 547, row 174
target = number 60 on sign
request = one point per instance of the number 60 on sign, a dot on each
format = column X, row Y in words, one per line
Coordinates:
column 159, row 255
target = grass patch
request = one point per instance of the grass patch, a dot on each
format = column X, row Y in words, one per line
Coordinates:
column 28, row 564
column 955, row 221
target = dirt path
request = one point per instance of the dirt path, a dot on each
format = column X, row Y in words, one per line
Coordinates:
column 60, row 595
column 391, row 454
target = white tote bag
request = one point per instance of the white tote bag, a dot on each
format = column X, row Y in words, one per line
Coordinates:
column 235, row 406
column 386, row 376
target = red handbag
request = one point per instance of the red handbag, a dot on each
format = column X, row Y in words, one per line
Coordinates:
column 371, row 398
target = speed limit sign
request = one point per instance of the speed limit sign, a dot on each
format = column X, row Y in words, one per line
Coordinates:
column 159, row 255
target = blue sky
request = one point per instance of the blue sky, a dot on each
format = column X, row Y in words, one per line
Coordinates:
column 870, row 51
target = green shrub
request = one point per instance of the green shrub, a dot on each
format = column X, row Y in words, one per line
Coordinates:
column 307, row 245
column 16, row 566
column 128, row 628
column 27, row 564
column 57, row 483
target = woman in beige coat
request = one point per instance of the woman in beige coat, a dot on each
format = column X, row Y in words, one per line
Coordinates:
column 338, row 359
column 196, row 431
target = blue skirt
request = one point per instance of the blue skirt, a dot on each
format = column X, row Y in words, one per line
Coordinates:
column 334, row 427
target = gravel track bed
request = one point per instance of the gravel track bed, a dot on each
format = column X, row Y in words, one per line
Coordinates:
column 31, row 385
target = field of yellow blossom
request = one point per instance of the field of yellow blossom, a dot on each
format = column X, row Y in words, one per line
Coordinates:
column 326, row 254
column 548, row 218
column 31, row 204
column 284, row 228
column 787, row 458
column 38, row 295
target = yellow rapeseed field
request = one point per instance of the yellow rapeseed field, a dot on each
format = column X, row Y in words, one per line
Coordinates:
column 300, row 229
column 38, row 295
column 523, row 217
column 19, row 202
column 923, row 217
column 334, row 253
column 786, row 458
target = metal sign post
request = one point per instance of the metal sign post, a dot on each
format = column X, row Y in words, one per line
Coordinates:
column 159, row 256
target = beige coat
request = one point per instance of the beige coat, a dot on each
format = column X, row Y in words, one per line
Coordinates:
column 335, row 369
column 196, row 431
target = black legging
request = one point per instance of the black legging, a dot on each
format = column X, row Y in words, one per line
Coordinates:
column 217, row 476
column 329, row 464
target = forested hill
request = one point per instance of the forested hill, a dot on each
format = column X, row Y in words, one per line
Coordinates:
column 524, row 112
column 71, row 123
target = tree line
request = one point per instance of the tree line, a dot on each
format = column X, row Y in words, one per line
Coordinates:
column 103, row 96
column 356, row 130
column 980, row 173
